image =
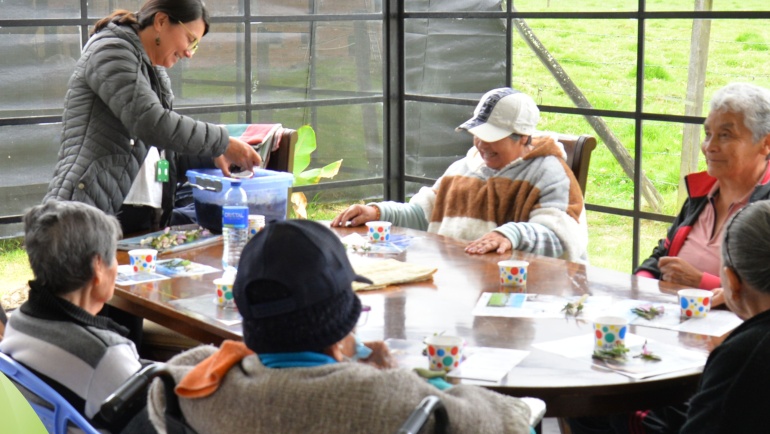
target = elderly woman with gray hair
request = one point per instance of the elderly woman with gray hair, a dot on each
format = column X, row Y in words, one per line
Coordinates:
column 736, row 147
column 56, row 332
column 732, row 395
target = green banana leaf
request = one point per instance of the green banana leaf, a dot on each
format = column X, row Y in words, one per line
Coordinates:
column 306, row 144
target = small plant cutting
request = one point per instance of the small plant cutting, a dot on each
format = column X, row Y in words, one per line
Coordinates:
column 170, row 238
column 647, row 354
column 306, row 144
column 648, row 311
column 574, row 308
column 617, row 353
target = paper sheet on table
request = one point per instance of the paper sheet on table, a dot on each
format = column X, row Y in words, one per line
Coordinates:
column 181, row 267
column 523, row 305
column 487, row 364
column 206, row 305
column 127, row 276
column 385, row 272
column 479, row 363
column 355, row 243
column 672, row 358
column 716, row 323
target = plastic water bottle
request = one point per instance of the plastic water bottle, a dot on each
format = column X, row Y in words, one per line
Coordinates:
column 235, row 224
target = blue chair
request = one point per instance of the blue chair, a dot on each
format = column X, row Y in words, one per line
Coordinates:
column 52, row 409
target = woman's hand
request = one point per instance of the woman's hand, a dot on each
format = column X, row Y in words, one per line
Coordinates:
column 491, row 241
column 677, row 270
column 356, row 215
column 380, row 357
column 238, row 153
column 718, row 297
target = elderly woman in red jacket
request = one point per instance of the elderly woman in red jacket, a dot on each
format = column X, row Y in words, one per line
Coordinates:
column 736, row 147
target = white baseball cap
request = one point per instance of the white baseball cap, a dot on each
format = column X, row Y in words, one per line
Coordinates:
column 502, row 112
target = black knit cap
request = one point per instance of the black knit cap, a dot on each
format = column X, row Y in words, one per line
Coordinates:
column 293, row 288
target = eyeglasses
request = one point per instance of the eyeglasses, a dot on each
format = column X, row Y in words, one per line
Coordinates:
column 364, row 315
column 193, row 47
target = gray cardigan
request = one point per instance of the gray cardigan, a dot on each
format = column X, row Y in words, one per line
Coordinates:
column 338, row 398
column 117, row 106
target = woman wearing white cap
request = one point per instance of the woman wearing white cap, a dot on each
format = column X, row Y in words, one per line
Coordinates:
column 512, row 190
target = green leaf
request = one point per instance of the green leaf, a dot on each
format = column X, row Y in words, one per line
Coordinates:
column 313, row 176
column 306, row 144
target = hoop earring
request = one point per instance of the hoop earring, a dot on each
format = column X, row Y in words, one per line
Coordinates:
column 157, row 41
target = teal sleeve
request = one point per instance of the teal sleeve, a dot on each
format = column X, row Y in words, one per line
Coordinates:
column 406, row 215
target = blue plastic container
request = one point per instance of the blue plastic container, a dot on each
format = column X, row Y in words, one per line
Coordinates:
column 267, row 192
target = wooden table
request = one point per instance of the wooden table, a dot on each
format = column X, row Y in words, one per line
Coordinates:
column 569, row 387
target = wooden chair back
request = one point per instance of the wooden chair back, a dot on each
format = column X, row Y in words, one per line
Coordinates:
column 578, row 149
column 282, row 159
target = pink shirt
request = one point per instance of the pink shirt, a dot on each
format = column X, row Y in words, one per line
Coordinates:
column 703, row 243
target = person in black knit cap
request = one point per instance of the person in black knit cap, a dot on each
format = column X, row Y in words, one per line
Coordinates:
column 293, row 289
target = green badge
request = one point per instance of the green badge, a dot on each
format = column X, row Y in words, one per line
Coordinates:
column 161, row 171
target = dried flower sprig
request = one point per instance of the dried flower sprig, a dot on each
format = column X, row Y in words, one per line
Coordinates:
column 574, row 308
column 170, row 238
column 648, row 311
column 647, row 354
column 616, row 353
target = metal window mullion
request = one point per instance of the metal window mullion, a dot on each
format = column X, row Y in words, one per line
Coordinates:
column 247, row 72
column 638, row 136
column 394, row 144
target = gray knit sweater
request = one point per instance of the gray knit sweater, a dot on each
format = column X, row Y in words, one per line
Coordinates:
column 334, row 398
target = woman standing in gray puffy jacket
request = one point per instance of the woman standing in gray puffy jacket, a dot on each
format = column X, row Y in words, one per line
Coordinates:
column 123, row 146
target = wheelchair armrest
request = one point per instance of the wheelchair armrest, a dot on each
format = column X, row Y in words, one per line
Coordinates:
column 421, row 414
column 117, row 402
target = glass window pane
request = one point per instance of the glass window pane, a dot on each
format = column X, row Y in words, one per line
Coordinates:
column 221, row 8
column 609, row 183
column 454, row 57
column 215, row 75
column 689, row 5
column 310, row 61
column 101, row 8
column 352, row 133
column 222, row 118
column 681, row 75
column 576, row 5
column 650, row 233
column 579, row 67
column 432, row 143
column 305, row 7
column 663, row 152
column 342, row 197
column 29, row 10
column 37, row 63
column 28, row 154
column 610, row 241
column 454, row 6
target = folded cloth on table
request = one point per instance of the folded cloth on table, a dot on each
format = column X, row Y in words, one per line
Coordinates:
column 389, row 272
column 256, row 135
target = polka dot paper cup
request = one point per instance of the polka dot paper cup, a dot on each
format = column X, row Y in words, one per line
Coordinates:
column 610, row 332
column 225, row 292
column 256, row 224
column 143, row 260
column 513, row 273
column 379, row 232
column 694, row 303
column 444, row 352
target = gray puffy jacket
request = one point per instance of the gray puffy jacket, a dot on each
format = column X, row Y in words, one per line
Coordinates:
column 117, row 106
